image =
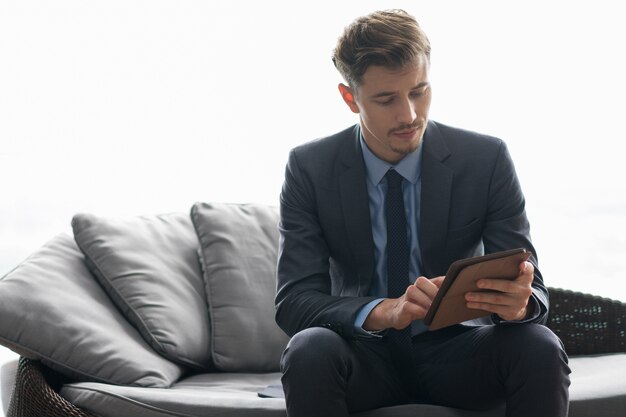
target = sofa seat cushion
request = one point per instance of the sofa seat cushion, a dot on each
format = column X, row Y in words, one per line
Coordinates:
column 598, row 389
column 210, row 394
column 219, row 395
column 598, row 385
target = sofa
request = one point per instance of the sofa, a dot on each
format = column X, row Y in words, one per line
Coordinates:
column 173, row 315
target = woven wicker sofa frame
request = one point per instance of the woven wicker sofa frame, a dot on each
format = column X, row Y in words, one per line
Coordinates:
column 587, row 325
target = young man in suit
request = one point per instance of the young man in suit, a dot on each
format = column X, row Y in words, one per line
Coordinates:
column 371, row 219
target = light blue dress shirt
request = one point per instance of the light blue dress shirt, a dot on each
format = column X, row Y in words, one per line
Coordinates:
column 410, row 169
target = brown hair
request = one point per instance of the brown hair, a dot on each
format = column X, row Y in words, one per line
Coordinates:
column 390, row 38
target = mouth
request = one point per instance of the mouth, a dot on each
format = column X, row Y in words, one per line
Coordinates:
column 406, row 134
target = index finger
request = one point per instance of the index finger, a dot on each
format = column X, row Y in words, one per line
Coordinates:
column 438, row 281
column 426, row 286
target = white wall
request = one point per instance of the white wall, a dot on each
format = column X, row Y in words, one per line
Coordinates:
column 134, row 107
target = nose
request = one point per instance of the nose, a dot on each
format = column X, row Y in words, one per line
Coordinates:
column 406, row 112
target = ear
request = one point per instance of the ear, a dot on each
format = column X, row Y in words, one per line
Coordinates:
column 348, row 97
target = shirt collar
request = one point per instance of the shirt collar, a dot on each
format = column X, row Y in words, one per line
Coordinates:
column 409, row 166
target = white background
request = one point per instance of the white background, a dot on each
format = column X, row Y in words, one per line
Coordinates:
column 144, row 107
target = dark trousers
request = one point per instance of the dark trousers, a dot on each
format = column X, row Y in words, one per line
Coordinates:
column 523, row 366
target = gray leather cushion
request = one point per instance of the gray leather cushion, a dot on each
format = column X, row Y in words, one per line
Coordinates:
column 598, row 385
column 207, row 395
column 149, row 267
column 220, row 395
column 54, row 310
column 598, row 389
column 239, row 247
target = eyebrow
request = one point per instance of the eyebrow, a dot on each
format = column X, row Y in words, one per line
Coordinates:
column 390, row 93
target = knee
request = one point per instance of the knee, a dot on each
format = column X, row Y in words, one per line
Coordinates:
column 535, row 356
column 535, row 344
column 533, row 337
column 315, row 349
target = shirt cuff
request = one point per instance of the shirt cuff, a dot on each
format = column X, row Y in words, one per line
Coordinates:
column 362, row 316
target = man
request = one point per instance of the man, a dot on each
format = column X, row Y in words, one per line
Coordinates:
column 388, row 204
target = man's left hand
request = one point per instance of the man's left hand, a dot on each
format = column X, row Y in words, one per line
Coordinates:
column 507, row 299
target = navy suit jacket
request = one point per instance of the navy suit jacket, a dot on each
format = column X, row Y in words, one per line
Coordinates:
column 471, row 203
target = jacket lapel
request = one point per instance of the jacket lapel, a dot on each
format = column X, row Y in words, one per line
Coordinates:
column 355, row 206
column 435, row 198
column 437, row 179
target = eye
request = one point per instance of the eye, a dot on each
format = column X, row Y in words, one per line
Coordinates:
column 385, row 102
column 419, row 92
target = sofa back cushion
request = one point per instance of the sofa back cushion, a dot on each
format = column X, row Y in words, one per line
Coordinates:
column 52, row 309
column 239, row 247
column 149, row 267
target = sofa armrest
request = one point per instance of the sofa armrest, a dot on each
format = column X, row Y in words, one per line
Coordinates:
column 35, row 393
column 7, row 382
column 587, row 324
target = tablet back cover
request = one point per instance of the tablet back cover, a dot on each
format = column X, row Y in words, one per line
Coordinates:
column 449, row 305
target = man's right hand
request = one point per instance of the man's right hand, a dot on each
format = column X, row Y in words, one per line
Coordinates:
column 398, row 313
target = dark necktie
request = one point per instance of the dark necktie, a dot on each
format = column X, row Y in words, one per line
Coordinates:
column 397, row 240
column 397, row 269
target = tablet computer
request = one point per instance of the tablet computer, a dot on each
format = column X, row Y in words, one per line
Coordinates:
column 449, row 305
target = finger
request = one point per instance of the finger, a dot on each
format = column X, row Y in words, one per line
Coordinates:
column 527, row 268
column 491, row 298
column 438, row 281
column 523, row 280
column 512, row 303
column 417, row 296
column 527, row 273
column 426, row 286
column 500, row 285
column 408, row 312
column 520, row 286
column 416, row 311
column 491, row 308
column 505, row 312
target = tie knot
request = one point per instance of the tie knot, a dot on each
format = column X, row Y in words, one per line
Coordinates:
column 394, row 180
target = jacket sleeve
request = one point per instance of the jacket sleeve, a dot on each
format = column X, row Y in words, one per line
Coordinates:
column 304, row 296
column 507, row 227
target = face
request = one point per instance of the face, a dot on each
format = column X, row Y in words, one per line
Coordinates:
column 393, row 107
